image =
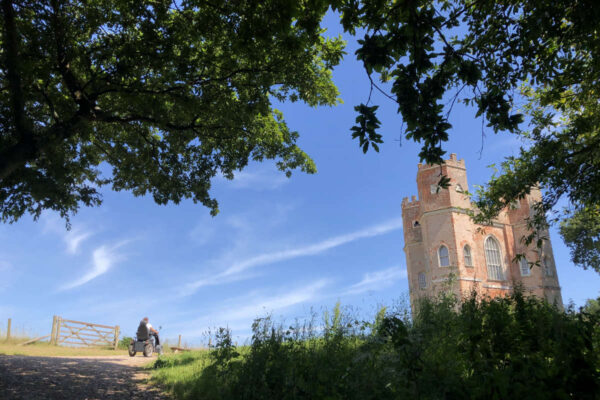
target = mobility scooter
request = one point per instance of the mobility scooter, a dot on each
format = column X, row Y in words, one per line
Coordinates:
column 144, row 342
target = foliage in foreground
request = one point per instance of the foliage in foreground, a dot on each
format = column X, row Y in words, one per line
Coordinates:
column 166, row 95
column 514, row 347
column 528, row 67
column 581, row 233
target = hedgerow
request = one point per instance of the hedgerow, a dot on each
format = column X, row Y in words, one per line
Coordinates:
column 513, row 347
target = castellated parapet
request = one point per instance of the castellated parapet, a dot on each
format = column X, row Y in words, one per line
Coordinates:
column 446, row 251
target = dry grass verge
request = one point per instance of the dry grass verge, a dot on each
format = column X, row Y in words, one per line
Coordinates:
column 44, row 349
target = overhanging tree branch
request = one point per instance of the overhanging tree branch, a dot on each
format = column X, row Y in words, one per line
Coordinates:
column 26, row 147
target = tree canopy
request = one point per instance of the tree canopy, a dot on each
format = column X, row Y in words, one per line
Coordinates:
column 153, row 96
column 493, row 56
column 159, row 96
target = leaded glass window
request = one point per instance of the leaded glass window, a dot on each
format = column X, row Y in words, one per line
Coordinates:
column 525, row 270
column 422, row 281
column 493, row 259
column 548, row 266
column 444, row 256
column 467, row 254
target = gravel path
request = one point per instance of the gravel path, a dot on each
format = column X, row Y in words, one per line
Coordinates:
column 85, row 378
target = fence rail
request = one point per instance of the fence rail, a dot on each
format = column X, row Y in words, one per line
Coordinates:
column 66, row 331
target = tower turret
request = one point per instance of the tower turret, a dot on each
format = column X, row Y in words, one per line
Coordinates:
column 446, row 251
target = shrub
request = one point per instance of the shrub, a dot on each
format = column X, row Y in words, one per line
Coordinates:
column 513, row 347
column 124, row 343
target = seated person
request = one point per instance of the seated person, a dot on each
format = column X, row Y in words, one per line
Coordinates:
column 145, row 330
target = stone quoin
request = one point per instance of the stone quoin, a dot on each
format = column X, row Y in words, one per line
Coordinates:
column 446, row 251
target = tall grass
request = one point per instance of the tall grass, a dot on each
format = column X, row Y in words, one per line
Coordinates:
column 514, row 347
column 18, row 332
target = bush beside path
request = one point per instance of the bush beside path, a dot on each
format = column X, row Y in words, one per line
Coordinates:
column 517, row 347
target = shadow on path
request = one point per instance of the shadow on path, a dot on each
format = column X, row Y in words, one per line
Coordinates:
column 33, row 378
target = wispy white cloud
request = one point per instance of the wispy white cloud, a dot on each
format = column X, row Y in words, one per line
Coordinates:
column 373, row 281
column 240, row 312
column 103, row 259
column 238, row 270
column 266, row 177
column 72, row 238
column 252, row 308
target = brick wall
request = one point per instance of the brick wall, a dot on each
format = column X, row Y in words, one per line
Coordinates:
column 439, row 217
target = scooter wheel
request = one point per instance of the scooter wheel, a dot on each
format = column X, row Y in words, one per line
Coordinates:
column 148, row 350
column 131, row 350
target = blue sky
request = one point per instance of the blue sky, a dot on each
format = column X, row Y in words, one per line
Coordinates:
column 280, row 246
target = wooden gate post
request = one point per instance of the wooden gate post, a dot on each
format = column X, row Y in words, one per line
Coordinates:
column 53, row 331
column 8, row 329
column 57, row 335
column 116, row 343
column 179, row 342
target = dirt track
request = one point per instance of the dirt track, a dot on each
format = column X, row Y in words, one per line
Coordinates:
column 85, row 378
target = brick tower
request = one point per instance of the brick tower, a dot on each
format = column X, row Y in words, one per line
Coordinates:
column 446, row 251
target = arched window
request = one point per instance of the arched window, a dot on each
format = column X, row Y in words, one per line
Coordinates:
column 459, row 188
column 416, row 224
column 422, row 281
column 525, row 270
column 444, row 258
column 467, row 254
column 548, row 266
column 493, row 259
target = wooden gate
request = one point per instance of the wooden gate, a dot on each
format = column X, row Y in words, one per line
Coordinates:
column 66, row 331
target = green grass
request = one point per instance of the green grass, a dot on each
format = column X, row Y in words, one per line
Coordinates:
column 514, row 347
column 177, row 372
